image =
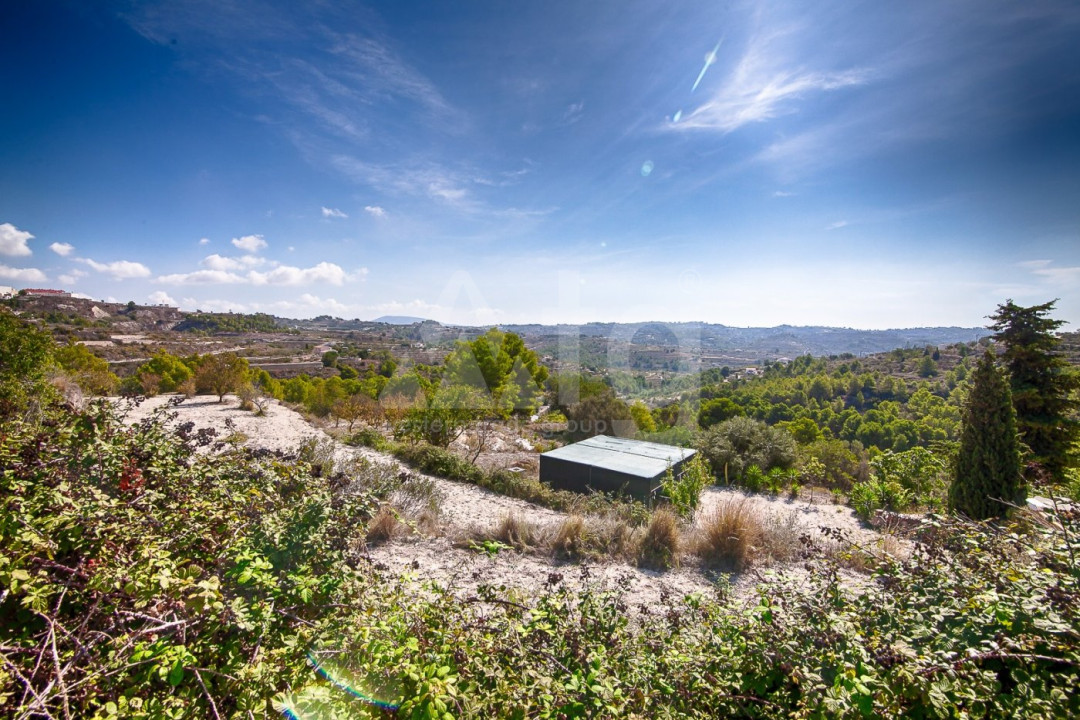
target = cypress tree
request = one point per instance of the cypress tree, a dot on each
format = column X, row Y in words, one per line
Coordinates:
column 1042, row 383
column 988, row 467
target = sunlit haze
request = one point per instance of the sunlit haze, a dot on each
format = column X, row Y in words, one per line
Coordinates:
column 870, row 165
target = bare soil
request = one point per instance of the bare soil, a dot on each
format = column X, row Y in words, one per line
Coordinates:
column 440, row 556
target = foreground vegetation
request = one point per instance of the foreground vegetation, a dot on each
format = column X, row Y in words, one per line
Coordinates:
column 142, row 577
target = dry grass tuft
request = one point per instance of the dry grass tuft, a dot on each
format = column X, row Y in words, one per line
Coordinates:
column 613, row 536
column 383, row 527
column 662, row 541
column 729, row 534
column 516, row 531
column 571, row 539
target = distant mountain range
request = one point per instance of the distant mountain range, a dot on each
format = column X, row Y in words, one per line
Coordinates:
column 780, row 341
column 398, row 320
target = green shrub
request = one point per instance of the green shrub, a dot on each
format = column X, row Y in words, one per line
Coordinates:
column 369, row 437
column 875, row 494
column 684, row 492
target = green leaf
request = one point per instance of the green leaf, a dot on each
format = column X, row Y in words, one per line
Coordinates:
column 176, row 674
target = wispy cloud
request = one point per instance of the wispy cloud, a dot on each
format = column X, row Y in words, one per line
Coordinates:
column 118, row 269
column 1063, row 276
column 62, row 249
column 375, row 211
column 765, row 84
column 837, row 225
column 333, row 213
column 424, row 179
column 22, row 274
column 573, row 113
column 13, row 241
column 204, row 241
column 250, row 243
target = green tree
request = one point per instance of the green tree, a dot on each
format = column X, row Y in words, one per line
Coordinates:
column 602, row 414
column 716, row 410
column 1042, row 382
column 988, row 468
column 221, row 374
column 642, row 417
column 170, row 371
column 500, row 364
column 90, row 372
column 25, row 354
column 735, row 445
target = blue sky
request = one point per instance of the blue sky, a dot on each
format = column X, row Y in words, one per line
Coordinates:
column 859, row 164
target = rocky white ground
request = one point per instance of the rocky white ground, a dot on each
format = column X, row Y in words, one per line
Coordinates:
column 442, row 558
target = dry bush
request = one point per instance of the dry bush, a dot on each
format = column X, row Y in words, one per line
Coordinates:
column 662, row 541
column 613, row 536
column 863, row 559
column 69, row 389
column 729, row 533
column 187, row 388
column 383, row 527
column 516, row 531
column 429, row 522
column 571, row 539
column 779, row 537
column 416, row 495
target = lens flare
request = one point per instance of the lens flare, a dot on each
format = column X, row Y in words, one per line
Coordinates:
column 319, row 702
column 646, row 168
column 709, row 60
column 366, row 687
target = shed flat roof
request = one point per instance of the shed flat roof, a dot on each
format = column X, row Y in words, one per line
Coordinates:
column 633, row 457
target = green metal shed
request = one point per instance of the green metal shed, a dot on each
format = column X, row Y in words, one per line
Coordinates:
column 612, row 465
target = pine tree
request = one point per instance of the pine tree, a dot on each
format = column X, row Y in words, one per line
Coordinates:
column 1043, row 384
column 988, row 467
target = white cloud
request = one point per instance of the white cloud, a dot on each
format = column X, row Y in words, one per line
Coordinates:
column 324, row 272
column 224, row 274
column 836, row 225
column 204, row 241
column 250, row 243
column 21, row 274
column 375, row 211
column 219, row 262
column 119, row 269
column 62, row 249
column 783, row 193
column 202, row 277
column 70, row 278
column 333, row 213
column 160, row 297
column 13, row 241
